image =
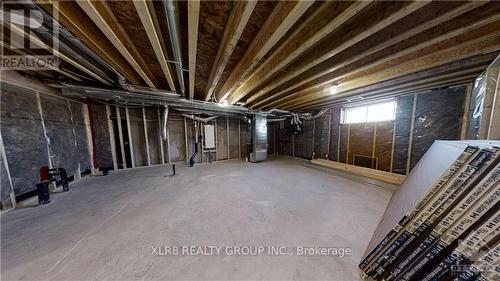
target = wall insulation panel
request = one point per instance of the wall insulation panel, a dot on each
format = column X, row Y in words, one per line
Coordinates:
column 321, row 129
column 344, row 139
column 81, row 135
column 59, row 128
column 138, row 136
column 102, row 143
column 243, row 138
column 5, row 187
column 437, row 117
column 153, row 135
column 177, row 140
column 233, row 138
column 334, row 133
column 307, row 141
column 360, row 141
column 383, row 145
column 222, row 141
column 23, row 137
column 270, row 138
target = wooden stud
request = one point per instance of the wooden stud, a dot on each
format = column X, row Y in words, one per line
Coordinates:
column 465, row 115
column 6, row 167
column 193, row 21
column 120, row 136
column 228, row 141
column 111, row 132
column 130, row 142
column 283, row 17
column 240, row 14
column 144, row 121
column 393, row 144
column 144, row 14
column 412, row 129
column 239, row 138
column 159, row 136
column 186, row 141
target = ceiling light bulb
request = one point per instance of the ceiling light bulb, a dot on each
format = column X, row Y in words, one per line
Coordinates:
column 333, row 89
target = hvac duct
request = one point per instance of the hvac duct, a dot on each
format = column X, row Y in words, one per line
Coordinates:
column 173, row 28
column 164, row 126
column 259, row 138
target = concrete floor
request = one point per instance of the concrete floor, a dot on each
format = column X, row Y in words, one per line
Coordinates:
column 105, row 227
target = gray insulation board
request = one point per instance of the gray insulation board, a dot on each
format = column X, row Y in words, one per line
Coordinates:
column 102, row 143
column 81, row 136
column 59, row 128
column 23, row 137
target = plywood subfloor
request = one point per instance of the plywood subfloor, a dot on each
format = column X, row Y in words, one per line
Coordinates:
column 105, row 227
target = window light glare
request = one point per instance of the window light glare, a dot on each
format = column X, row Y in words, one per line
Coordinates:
column 384, row 111
column 224, row 102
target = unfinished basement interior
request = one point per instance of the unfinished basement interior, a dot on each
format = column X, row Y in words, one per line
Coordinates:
column 250, row 140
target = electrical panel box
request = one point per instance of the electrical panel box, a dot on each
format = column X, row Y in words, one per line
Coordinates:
column 209, row 132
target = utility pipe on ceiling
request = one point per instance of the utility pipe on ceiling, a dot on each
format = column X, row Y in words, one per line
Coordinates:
column 173, row 29
column 164, row 127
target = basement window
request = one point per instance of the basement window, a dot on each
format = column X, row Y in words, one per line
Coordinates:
column 384, row 111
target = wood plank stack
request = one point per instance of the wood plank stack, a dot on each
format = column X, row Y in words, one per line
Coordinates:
column 452, row 232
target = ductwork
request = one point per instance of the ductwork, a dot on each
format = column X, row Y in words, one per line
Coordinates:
column 173, row 29
column 203, row 120
column 150, row 97
column 271, row 120
column 164, row 127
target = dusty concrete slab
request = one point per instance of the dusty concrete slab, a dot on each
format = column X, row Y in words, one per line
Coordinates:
column 105, row 227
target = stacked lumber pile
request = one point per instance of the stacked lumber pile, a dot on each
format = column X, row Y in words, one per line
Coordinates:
column 452, row 232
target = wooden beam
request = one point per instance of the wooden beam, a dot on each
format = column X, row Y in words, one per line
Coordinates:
column 411, row 90
column 110, row 29
column 240, row 13
column 148, row 24
column 457, row 36
column 104, row 19
column 387, row 177
column 283, row 17
column 80, row 25
column 309, row 34
column 329, row 47
column 193, row 21
column 430, row 80
column 479, row 46
column 342, row 62
column 455, row 66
